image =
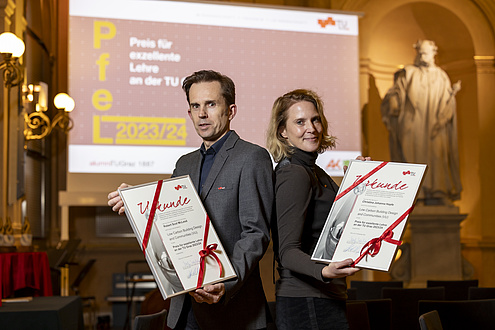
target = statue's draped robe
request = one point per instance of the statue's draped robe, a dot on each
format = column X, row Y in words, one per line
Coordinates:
column 425, row 102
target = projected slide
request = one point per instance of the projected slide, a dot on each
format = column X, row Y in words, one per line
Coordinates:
column 127, row 61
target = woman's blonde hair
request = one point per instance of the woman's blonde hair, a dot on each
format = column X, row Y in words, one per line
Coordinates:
column 279, row 146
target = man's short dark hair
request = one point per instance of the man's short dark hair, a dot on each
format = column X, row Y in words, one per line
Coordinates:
column 227, row 85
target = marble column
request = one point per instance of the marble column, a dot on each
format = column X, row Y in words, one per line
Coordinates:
column 435, row 251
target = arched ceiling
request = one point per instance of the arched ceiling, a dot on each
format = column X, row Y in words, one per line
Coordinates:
column 392, row 38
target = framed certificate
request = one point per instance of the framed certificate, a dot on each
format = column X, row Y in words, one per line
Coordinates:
column 369, row 213
column 173, row 229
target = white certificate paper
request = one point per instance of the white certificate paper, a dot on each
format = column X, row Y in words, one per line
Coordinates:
column 369, row 214
column 176, row 235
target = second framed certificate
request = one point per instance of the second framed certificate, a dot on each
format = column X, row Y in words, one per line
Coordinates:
column 173, row 228
column 369, row 214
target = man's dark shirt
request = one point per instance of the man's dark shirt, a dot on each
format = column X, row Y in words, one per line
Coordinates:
column 208, row 159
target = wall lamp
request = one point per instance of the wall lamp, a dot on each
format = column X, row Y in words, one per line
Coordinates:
column 37, row 124
column 11, row 48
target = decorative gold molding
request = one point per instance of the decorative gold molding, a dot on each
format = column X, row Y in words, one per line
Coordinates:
column 484, row 57
column 386, row 71
column 478, row 242
column 459, row 67
column 485, row 64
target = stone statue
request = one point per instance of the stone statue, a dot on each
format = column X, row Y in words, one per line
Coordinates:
column 419, row 112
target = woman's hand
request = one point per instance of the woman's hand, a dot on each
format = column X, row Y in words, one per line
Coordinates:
column 358, row 158
column 339, row 269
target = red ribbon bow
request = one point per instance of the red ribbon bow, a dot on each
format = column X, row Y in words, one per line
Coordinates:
column 373, row 246
column 208, row 250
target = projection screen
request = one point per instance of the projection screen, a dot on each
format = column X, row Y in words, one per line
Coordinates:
column 127, row 60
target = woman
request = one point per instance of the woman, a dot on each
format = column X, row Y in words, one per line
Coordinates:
column 310, row 295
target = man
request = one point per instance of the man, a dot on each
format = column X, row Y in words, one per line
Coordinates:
column 235, row 181
column 420, row 114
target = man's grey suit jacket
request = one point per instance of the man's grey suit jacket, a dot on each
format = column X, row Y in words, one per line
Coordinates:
column 238, row 197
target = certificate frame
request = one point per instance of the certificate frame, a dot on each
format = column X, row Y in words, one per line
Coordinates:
column 180, row 243
column 369, row 214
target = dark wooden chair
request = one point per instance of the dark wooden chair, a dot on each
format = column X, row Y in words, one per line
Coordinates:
column 454, row 290
column 462, row 314
column 357, row 315
column 379, row 313
column 475, row 293
column 430, row 321
column 367, row 290
column 351, row 294
column 405, row 311
column 156, row 321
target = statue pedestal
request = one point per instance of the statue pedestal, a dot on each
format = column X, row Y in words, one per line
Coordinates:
column 435, row 244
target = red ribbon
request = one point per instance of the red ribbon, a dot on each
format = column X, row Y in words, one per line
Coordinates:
column 149, row 224
column 208, row 250
column 360, row 180
column 373, row 246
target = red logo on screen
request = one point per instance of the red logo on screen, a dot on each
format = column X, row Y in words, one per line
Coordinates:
column 340, row 24
column 324, row 23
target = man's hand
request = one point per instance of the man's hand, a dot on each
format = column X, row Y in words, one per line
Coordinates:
column 210, row 294
column 339, row 269
column 115, row 201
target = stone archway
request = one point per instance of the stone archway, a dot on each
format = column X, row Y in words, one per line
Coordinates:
column 463, row 33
